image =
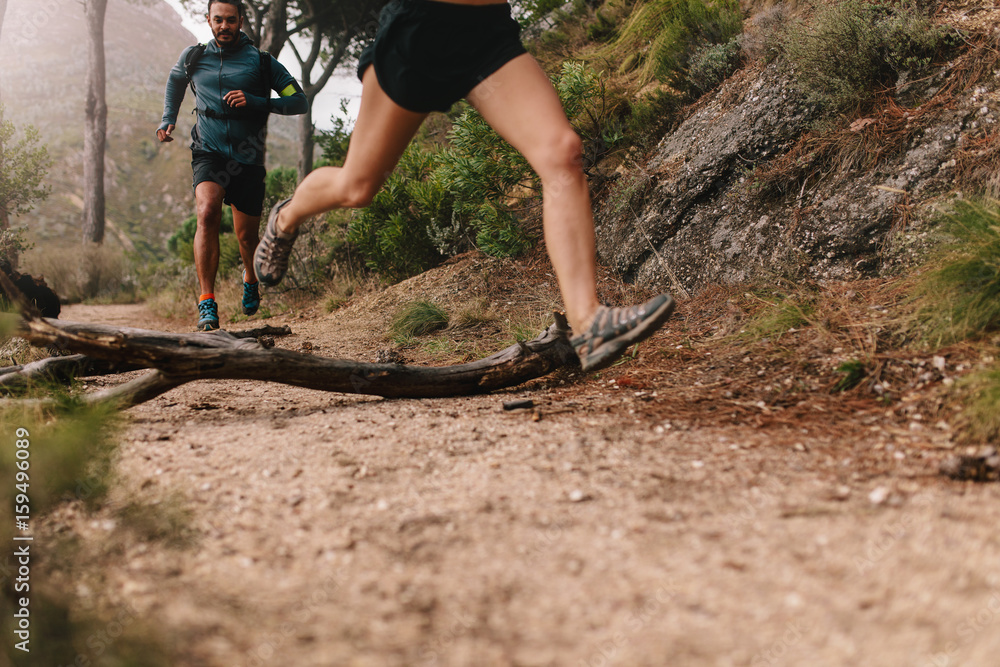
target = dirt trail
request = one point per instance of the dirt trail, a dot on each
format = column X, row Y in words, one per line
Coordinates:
column 340, row 530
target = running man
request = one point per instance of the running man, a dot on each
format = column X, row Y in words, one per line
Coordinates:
column 232, row 82
column 426, row 56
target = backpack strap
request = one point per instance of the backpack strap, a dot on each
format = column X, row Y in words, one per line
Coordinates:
column 194, row 54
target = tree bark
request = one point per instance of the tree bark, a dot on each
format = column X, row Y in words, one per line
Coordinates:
column 4, row 215
column 96, row 124
column 180, row 358
column 307, row 142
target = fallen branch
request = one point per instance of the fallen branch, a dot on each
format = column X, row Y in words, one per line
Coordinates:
column 180, row 358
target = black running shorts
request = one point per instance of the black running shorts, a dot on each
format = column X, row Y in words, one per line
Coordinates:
column 243, row 183
column 428, row 55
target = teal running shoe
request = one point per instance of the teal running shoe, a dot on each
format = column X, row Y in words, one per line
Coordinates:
column 251, row 296
column 208, row 315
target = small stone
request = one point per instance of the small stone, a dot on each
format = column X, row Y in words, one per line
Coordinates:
column 577, row 496
column 842, row 492
column 878, row 495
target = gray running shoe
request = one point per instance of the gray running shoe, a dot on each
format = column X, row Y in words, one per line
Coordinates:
column 615, row 329
column 270, row 261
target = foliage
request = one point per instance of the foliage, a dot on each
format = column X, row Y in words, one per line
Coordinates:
column 391, row 232
column 960, row 297
column 417, row 319
column 713, row 63
column 529, row 12
column 24, row 165
column 334, row 142
column 69, row 457
column 13, row 243
column 279, row 184
column 981, row 415
column 663, row 34
column 782, row 312
column 853, row 49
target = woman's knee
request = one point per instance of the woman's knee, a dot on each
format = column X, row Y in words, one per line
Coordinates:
column 359, row 194
column 562, row 154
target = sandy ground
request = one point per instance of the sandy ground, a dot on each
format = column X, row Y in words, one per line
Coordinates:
column 324, row 529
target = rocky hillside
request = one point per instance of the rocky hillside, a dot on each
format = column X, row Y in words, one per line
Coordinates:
column 747, row 186
column 42, row 82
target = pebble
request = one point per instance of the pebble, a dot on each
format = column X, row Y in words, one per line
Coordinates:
column 878, row 495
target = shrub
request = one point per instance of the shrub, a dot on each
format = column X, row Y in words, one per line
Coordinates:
column 853, row 49
column 664, row 33
column 712, row 64
column 960, row 298
column 334, row 142
column 392, row 232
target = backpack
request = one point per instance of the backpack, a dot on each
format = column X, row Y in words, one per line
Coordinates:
column 195, row 54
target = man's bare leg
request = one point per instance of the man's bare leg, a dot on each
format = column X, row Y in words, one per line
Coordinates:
column 247, row 228
column 208, row 203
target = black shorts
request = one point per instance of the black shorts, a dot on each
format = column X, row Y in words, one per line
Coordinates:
column 243, row 183
column 428, row 55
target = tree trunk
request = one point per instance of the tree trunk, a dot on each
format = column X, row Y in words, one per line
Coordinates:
column 3, row 10
column 4, row 216
column 96, row 124
column 180, row 358
column 307, row 142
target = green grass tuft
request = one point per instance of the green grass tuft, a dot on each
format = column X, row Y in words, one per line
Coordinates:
column 787, row 312
column 417, row 319
column 981, row 416
column 960, row 298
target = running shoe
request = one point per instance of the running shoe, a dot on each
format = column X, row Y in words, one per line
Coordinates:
column 208, row 315
column 251, row 296
column 615, row 329
column 270, row 262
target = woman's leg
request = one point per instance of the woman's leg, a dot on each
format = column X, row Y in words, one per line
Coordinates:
column 381, row 134
column 519, row 102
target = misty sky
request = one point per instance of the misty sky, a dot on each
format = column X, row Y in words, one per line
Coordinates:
column 343, row 84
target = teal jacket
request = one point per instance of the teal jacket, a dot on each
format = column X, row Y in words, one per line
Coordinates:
column 236, row 134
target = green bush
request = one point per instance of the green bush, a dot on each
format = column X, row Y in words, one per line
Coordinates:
column 392, row 232
column 853, row 49
column 334, row 142
column 712, row 64
column 665, row 33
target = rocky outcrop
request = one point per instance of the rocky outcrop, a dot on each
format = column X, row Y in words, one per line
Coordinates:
column 692, row 215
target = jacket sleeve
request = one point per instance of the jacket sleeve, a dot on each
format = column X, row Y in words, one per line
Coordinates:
column 176, row 86
column 291, row 100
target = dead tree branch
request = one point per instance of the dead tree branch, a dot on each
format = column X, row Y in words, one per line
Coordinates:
column 180, row 358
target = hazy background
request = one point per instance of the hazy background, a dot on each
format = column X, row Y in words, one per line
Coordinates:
column 148, row 184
